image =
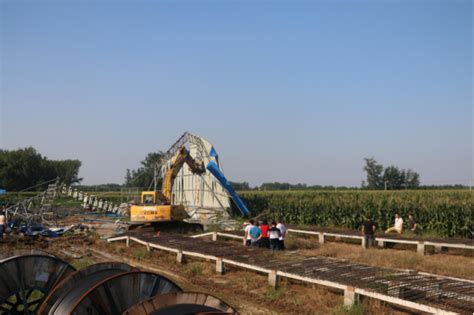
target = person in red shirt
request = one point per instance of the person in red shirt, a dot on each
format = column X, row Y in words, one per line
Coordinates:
column 264, row 241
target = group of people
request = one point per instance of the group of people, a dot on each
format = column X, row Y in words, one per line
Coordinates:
column 263, row 235
column 369, row 226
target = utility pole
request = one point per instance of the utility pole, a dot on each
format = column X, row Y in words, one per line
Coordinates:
column 155, row 171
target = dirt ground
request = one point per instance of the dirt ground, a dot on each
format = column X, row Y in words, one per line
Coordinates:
column 247, row 291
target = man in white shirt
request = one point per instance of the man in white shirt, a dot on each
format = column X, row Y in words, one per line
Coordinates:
column 248, row 237
column 282, row 229
column 398, row 226
column 274, row 236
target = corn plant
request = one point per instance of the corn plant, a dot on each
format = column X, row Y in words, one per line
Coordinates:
column 443, row 212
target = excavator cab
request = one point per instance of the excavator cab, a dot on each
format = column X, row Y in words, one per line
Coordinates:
column 149, row 197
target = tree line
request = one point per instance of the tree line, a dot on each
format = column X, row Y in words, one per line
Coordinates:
column 390, row 177
column 25, row 167
column 287, row 186
column 377, row 177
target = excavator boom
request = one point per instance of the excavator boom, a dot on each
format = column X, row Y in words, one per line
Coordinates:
column 182, row 157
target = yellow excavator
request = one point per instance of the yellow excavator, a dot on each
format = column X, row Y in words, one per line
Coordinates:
column 156, row 208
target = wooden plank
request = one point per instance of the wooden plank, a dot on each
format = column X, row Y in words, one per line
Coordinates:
column 119, row 238
column 246, row 266
column 168, row 249
column 393, row 240
column 325, row 283
column 303, row 232
column 451, row 245
column 404, row 303
column 199, row 255
column 202, row 235
column 230, row 235
column 139, row 241
column 344, row 235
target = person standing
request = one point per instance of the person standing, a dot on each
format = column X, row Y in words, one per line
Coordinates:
column 398, row 226
column 2, row 225
column 282, row 228
column 274, row 236
column 368, row 230
column 247, row 237
column 256, row 235
column 264, row 241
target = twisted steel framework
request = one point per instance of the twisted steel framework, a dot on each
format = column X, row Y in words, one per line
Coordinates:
column 203, row 196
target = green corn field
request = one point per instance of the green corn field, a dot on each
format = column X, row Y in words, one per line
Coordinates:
column 442, row 212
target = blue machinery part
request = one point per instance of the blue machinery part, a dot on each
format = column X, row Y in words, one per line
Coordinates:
column 214, row 169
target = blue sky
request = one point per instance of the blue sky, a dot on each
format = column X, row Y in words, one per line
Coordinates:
column 286, row 91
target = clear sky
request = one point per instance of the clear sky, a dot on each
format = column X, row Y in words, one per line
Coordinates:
column 285, row 90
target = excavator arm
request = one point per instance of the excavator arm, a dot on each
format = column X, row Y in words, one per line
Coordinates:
column 183, row 156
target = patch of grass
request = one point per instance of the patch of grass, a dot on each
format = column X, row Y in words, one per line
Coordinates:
column 297, row 300
column 140, row 253
column 410, row 261
column 272, row 294
column 296, row 242
column 82, row 263
column 355, row 309
column 195, row 268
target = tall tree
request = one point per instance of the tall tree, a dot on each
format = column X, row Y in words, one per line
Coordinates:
column 24, row 168
column 66, row 170
column 393, row 177
column 374, row 172
column 20, row 169
column 143, row 176
column 412, row 179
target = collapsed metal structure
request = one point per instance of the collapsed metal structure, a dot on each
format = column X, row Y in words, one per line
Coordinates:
column 204, row 197
column 39, row 209
column 40, row 283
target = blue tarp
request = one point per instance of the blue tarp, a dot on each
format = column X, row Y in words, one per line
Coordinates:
column 2, row 191
column 214, row 169
column 213, row 152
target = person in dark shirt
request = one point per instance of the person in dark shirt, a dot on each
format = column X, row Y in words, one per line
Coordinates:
column 412, row 224
column 274, row 236
column 368, row 230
